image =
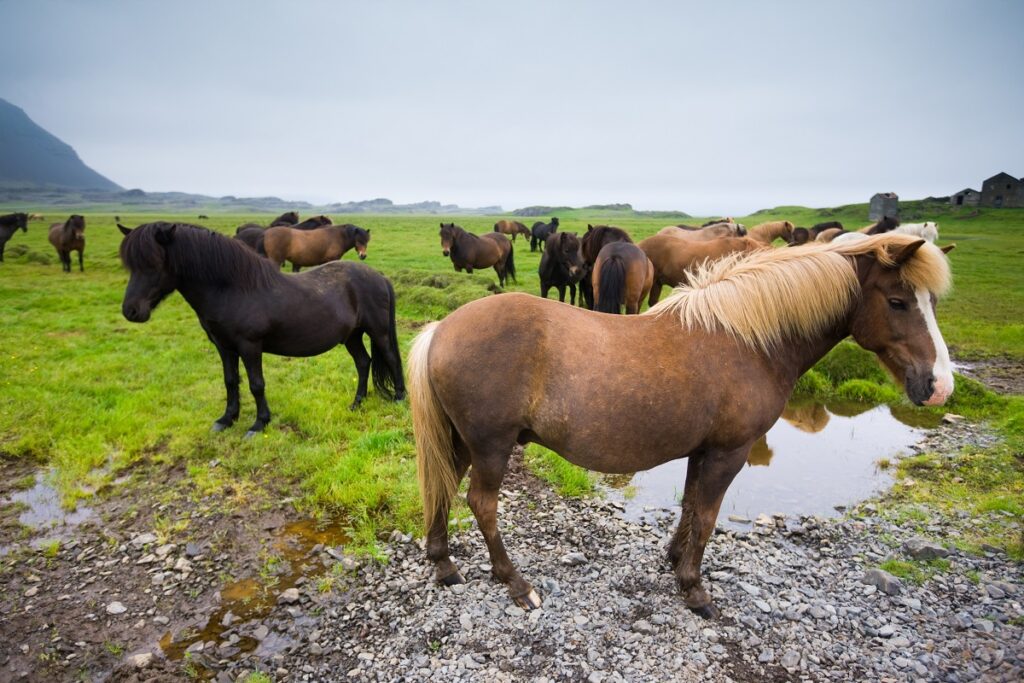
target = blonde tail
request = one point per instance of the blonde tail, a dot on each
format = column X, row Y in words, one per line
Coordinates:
column 435, row 454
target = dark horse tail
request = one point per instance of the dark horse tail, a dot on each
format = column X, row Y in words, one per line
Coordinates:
column 387, row 376
column 510, row 263
column 611, row 286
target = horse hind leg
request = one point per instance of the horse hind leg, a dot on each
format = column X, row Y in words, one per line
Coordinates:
column 438, row 551
column 81, row 264
column 253, row 360
column 355, row 347
column 484, row 484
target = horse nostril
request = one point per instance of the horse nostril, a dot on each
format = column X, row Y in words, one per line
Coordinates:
column 931, row 385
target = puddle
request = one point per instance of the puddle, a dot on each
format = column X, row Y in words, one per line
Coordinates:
column 43, row 513
column 252, row 599
column 817, row 456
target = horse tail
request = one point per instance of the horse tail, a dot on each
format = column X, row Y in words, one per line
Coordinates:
column 611, row 286
column 510, row 263
column 384, row 376
column 435, row 452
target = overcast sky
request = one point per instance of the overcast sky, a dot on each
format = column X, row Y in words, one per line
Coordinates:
column 722, row 107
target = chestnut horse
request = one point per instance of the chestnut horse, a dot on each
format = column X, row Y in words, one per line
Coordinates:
column 561, row 265
column 247, row 307
column 512, row 228
column 313, row 247
column 708, row 372
column 673, row 258
column 708, row 232
column 623, row 276
column 287, row 218
column 67, row 237
column 10, row 224
column 593, row 241
column 468, row 251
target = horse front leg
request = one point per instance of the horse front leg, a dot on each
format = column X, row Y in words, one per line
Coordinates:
column 707, row 478
column 355, row 347
column 561, row 293
column 253, row 360
column 81, row 264
column 484, row 484
column 572, row 293
column 229, row 361
column 295, row 268
column 655, row 293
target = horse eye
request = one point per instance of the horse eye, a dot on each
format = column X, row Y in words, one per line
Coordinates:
column 897, row 304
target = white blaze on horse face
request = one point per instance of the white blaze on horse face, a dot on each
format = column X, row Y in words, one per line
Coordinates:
column 942, row 371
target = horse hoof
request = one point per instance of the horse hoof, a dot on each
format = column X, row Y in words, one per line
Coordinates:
column 219, row 426
column 251, row 433
column 400, row 396
column 529, row 601
column 453, row 579
column 355, row 405
column 708, row 611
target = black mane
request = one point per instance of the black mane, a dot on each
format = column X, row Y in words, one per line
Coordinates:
column 197, row 254
column 17, row 220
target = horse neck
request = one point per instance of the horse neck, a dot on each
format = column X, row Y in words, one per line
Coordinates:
column 797, row 357
column 465, row 243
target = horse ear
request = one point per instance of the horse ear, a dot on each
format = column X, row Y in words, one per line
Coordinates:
column 442, row 225
column 367, row 231
column 589, row 227
column 123, row 229
column 948, row 248
column 165, row 234
column 904, row 254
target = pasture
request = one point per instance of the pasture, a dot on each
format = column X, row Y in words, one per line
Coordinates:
column 90, row 394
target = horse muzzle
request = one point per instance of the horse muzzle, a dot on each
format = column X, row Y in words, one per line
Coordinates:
column 444, row 252
column 135, row 314
column 925, row 389
column 362, row 256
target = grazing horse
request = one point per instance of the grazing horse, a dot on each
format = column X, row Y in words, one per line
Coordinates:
column 251, row 234
column 247, row 307
column 768, row 232
column 673, row 258
column 288, row 218
column 313, row 247
column 708, row 373
column 561, row 265
column 709, row 232
column 623, row 276
column 203, row 217
column 10, row 224
column 67, row 237
column 512, row 228
column 593, row 241
column 540, row 232
column 468, row 251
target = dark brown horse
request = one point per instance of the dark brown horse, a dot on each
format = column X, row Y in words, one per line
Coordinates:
column 674, row 258
column 9, row 225
column 708, row 372
column 468, row 251
column 511, row 229
column 593, row 241
column 540, row 232
column 286, row 218
column 251, row 234
column 67, row 237
column 313, row 247
column 561, row 265
column 623, row 276
column 247, row 307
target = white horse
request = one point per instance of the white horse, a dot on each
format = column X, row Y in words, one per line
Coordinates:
column 927, row 231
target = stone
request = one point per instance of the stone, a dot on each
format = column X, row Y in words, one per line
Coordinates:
column 642, row 626
column 144, row 539
column 574, row 559
column 164, row 550
column 31, row 592
column 140, row 660
column 883, row 581
column 749, row 588
column 288, row 596
column 182, row 565
column 116, row 608
column 763, row 606
column 739, row 519
column 766, row 656
column 261, row 632
column 887, row 631
column 923, row 549
column 791, row 659
column 192, row 549
column 161, row 621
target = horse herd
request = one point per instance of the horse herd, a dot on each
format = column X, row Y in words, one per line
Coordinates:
column 703, row 374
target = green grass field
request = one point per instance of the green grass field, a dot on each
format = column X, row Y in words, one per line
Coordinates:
column 89, row 393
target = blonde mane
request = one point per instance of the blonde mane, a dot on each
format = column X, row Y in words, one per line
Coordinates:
column 764, row 298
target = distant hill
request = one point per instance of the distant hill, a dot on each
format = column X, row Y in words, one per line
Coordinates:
column 595, row 209
column 30, row 157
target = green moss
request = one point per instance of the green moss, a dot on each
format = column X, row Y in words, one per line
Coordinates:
column 812, row 384
column 867, row 391
column 848, row 361
column 568, row 479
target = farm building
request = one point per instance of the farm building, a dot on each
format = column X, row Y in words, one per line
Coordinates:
column 1002, row 191
column 966, row 197
column 884, row 204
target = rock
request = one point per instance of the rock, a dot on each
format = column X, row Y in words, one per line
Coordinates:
column 763, row 606
column 140, row 660
column 993, row 591
column 791, row 659
column 952, row 418
column 31, row 592
column 883, row 581
column 288, row 596
column 161, row 621
column 887, row 631
column 164, row 550
column 764, row 520
column 766, row 656
column 749, row 588
column 182, row 565
column 642, row 626
column 574, row 559
column 739, row 519
column 261, row 632
column 144, row 539
column 514, row 611
column 116, row 608
column 984, row 625
column 923, row 549
column 192, row 549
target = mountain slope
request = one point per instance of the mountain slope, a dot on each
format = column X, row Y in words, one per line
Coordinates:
column 30, row 157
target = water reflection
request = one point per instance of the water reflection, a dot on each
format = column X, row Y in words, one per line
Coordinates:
column 42, row 510
column 815, row 457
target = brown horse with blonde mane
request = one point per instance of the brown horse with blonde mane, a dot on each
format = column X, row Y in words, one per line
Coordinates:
column 468, row 251
column 709, row 371
column 67, row 237
column 673, row 258
column 313, row 247
column 623, row 276
column 512, row 228
column 708, row 232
